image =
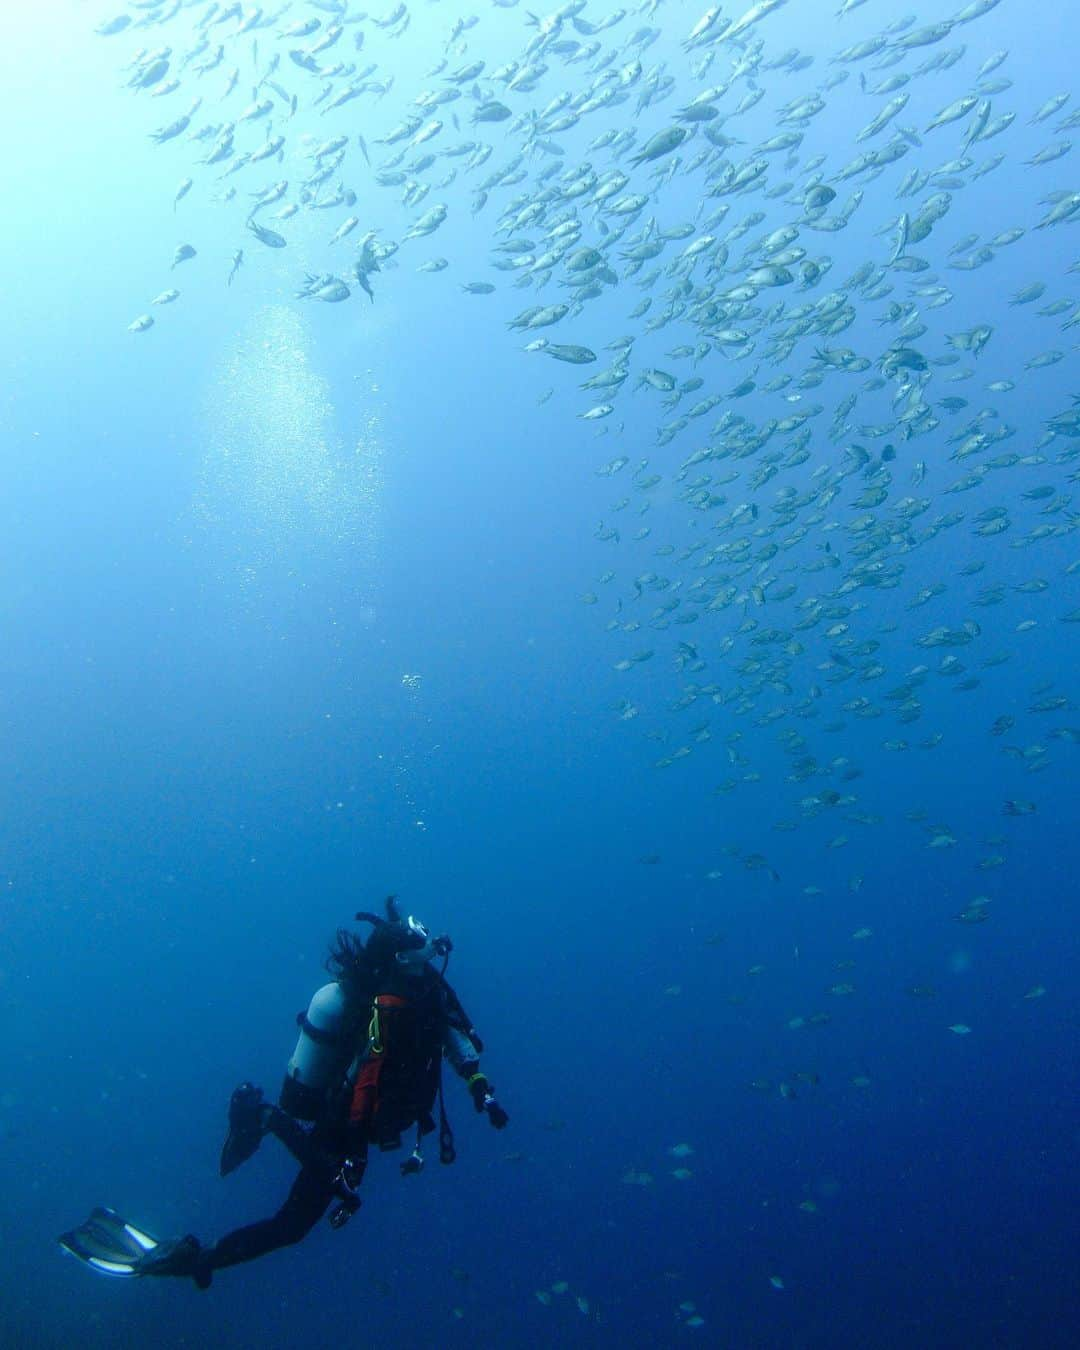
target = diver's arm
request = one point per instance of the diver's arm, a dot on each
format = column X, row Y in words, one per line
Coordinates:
column 461, row 1052
column 458, row 1017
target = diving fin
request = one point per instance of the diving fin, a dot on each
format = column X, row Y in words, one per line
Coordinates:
column 112, row 1246
column 247, row 1125
column 107, row 1243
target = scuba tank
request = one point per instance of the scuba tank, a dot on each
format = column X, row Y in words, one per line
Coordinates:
column 320, row 1057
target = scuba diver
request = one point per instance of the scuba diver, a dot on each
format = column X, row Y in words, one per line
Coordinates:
column 366, row 1068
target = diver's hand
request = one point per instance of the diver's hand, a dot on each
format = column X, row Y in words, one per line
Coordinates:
column 495, row 1113
column 483, row 1095
column 479, row 1090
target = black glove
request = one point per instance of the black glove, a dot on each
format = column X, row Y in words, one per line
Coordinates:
column 483, row 1095
column 346, row 1184
column 479, row 1088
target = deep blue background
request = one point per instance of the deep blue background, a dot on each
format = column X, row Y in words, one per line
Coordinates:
column 215, row 576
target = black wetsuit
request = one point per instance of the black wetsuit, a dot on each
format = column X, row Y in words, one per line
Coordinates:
column 412, row 1081
column 321, row 1153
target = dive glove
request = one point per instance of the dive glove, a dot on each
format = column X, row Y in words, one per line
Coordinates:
column 345, row 1185
column 483, row 1096
column 495, row 1113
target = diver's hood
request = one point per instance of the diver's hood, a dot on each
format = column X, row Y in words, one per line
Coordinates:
column 405, row 941
column 421, row 946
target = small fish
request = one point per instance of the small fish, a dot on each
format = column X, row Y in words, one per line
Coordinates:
column 301, row 28
column 428, row 223
column 270, row 238
column 113, row 26
column 345, row 228
column 663, row 143
column 571, row 353
column 491, row 111
column 1050, row 107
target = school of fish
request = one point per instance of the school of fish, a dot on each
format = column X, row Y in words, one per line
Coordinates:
column 815, row 493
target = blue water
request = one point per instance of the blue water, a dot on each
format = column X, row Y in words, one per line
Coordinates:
column 227, row 542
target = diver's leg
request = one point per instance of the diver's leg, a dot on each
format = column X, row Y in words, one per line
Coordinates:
column 308, row 1200
column 324, row 1177
column 308, row 1146
column 250, row 1118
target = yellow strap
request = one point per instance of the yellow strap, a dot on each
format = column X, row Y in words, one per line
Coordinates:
column 475, row 1078
column 374, row 1031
